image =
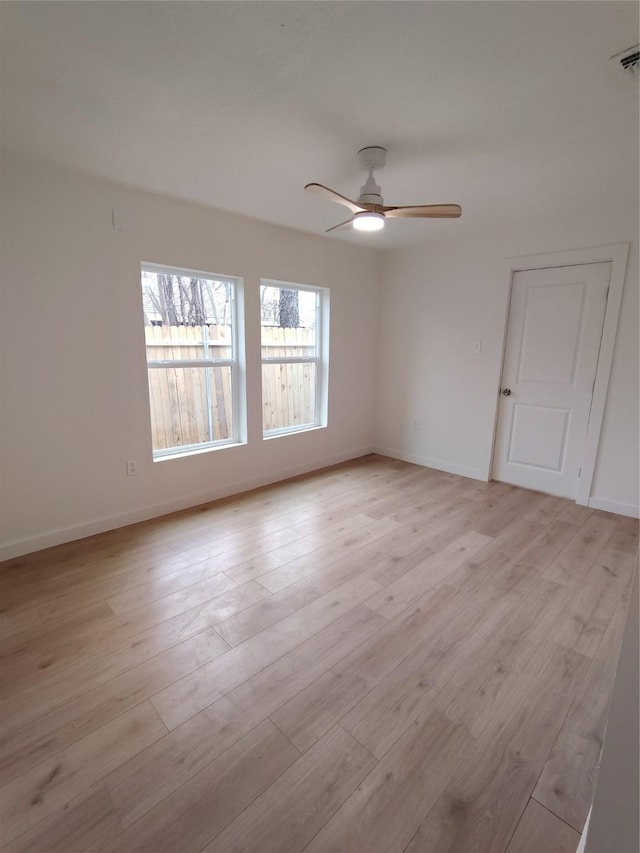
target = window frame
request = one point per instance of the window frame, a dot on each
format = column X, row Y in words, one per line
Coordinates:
column 236, row 316
column 320, row 359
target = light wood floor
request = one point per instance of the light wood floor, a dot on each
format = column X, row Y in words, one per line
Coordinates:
column 374, row 658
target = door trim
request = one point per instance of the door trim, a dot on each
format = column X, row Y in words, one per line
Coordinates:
column 617, row 254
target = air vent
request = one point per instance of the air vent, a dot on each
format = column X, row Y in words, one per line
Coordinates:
column 627, row 64
column 631, row 61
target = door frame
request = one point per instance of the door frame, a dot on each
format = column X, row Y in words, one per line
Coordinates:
column 617, row 254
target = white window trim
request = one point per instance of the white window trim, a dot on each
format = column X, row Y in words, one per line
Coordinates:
column 321, row 359
column 238, row 407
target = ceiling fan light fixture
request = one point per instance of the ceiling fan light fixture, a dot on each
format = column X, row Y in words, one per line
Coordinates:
column 368, row 220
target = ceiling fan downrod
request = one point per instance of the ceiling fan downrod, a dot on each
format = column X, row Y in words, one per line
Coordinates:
column 370, row 192
column 371, row 158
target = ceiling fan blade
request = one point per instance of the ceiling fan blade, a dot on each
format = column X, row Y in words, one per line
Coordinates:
column 342, row 225
column 431, row 211
column 332, row 195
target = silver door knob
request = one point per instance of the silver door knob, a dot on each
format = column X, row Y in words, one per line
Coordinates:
column 506, row 392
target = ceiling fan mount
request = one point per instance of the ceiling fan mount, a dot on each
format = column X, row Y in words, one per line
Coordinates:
column 369, row 211
column 372, row 157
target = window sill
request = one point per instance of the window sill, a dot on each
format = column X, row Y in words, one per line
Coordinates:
column 197, row 451
column 292, row 431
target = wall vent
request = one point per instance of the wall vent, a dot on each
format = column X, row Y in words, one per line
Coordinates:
column 627, row 64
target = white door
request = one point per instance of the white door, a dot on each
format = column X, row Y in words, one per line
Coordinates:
column 553, row 340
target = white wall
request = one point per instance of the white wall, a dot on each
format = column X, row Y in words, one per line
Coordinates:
column 613, row 826
column 438, row 299
column 74, row 393
column 74, row 387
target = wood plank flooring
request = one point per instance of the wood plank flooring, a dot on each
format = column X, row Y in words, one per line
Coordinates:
column 375, row 658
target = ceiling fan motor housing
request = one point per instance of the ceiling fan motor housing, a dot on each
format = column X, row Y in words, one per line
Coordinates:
column 371, row 158
column 370, row 192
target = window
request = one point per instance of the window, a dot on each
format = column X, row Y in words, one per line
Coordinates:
column 295, row 329
column 191, row 337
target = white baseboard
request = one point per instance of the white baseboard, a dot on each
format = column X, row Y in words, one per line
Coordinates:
column 583, row 837
column 614, row 506
column 429, row 462
column 100, row 525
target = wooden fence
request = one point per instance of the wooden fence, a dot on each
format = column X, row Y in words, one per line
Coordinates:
column 193, row 405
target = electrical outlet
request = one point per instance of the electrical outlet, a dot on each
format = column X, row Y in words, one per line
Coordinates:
column 416, row 425
column 131, row 468
column 477, row 347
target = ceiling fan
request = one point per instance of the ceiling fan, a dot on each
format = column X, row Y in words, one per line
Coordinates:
column 369, row 211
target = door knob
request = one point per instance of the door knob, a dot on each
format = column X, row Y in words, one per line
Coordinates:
column 506, row 392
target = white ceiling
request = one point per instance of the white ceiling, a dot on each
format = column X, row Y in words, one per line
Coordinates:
column 507, row 108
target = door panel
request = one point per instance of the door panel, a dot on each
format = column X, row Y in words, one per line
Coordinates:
column 551, row 355
column 552, row 321
column 538, row 436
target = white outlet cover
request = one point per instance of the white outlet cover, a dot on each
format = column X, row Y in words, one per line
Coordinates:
column 477, row 347
column 118, row 218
